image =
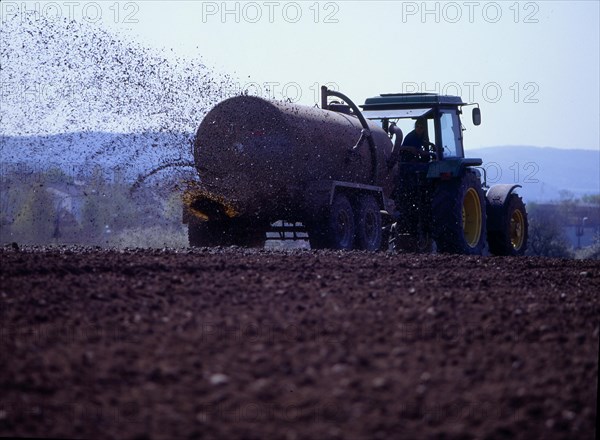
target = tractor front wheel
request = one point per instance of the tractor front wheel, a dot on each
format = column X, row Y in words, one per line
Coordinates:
column 511, row 239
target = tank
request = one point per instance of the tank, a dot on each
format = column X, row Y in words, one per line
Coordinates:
column 257, row 157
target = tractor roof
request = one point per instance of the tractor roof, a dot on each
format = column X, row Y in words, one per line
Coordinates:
column 410, row 100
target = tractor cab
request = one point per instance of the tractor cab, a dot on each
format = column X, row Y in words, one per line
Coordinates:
column 399, row 112
column 437, row 179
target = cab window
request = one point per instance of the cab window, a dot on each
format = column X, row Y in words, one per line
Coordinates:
column 450, row 131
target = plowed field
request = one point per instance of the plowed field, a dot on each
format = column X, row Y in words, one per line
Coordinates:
column 233, row 343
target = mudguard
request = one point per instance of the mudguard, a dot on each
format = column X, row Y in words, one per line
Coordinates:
column 496, row 198
column 451, row 167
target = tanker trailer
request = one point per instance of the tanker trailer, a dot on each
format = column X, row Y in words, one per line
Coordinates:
column 320, row 170
column 330, row 171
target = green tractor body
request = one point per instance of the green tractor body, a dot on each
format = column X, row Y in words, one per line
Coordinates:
column 440, row 196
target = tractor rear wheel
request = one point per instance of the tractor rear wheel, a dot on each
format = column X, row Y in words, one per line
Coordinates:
column 368, row 224
column 512, row 238
column 459, row 216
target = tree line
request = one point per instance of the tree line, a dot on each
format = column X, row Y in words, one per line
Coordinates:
column 51, row 207
column 550, row 222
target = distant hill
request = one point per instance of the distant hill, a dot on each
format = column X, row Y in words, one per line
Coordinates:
column 542, row 171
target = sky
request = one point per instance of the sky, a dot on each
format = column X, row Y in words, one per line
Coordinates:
column 533, row 67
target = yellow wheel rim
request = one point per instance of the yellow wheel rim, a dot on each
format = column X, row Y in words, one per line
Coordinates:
column 517, row 227
column 471, row 217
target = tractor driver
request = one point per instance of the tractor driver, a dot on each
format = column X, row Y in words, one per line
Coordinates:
column 407, row 181
column 415, row 145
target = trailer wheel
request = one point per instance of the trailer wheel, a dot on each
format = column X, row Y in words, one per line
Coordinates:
column 368, row 224
column 459, row 216
column 336, row 229
column 512, row 238
column 211, row 234
column 204, row 235
column 251, row 238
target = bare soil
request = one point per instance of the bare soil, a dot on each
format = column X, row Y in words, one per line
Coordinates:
column 234, row 343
